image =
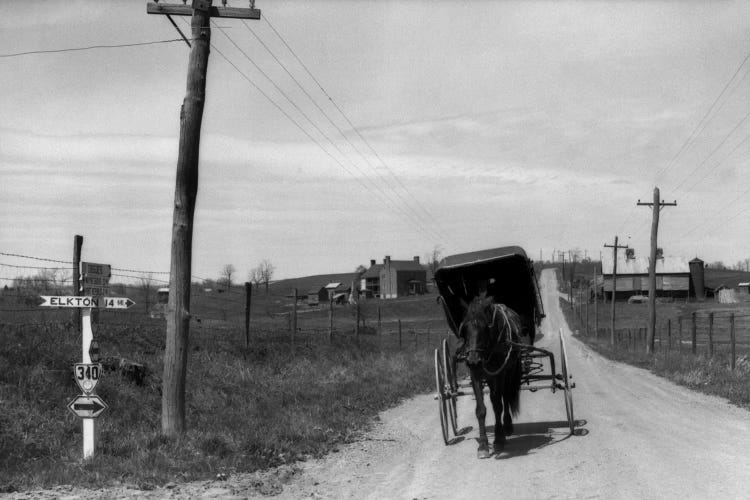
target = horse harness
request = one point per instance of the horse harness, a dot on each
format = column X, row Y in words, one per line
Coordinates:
column 504, row 339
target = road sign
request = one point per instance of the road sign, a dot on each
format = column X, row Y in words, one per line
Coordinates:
column 91, row 269
column 69, row 301
column 94, row 352
column 115, row 303
column 74, row 301
column 95, row 280
column 87, row 375
column 87, row 406
column 95, row 291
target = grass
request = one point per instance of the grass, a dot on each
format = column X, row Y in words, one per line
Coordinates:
column 248, row 408
column 708, row 374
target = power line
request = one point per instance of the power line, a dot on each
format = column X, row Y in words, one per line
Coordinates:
column 330, row 120
column 89, row 47
column 418, row 224
column 696, row 131
column 353, row 127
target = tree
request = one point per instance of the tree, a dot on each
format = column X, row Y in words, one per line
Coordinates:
column 226, row 273
column 266, row 270
column 255, row 277
column 432, row 259
column 360, row 270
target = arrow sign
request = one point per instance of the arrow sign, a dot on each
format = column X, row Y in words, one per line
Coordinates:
column 115, row 303
column 74, row 301
column 84, row 406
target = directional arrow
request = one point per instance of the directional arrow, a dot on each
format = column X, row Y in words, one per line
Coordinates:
column 84, row 406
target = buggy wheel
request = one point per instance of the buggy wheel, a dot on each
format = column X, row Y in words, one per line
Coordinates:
column 452, row 385
column 441, row 396
column 567, row 385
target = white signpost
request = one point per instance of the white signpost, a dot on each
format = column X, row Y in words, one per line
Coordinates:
column 95, row 283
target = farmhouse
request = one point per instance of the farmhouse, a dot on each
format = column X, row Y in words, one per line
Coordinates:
column 394, row 278
column 673, row 275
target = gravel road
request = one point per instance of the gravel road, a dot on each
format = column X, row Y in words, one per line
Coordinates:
column 638, row 436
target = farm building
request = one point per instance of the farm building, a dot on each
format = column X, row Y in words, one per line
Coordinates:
column 394, row 278
column 737, row 283
column 673, row 276
column 316, row 295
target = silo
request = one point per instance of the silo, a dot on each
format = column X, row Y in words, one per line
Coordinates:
column 696, row 276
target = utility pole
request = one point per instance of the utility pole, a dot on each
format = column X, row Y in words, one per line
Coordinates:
column 656, row 206
column 614, row 286
column 186, row 189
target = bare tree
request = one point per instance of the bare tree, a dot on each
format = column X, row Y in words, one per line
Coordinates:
column 433, row 258
column 266, row 270
column 226, row 273
column 254, row 277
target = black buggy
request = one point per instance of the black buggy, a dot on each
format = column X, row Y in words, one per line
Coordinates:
column 507, row 275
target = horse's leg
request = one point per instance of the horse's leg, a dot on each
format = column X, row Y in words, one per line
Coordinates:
column 496, row 395
column 507, row 418
column 476, row 383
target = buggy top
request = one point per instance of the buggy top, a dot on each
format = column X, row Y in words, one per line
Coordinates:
column 505, row 273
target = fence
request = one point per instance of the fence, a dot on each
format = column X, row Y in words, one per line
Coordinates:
column 708, row 332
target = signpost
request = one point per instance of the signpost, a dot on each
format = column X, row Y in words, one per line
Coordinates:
column 94, row 281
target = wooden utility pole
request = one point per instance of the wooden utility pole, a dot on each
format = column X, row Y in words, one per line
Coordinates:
column 77, row 244
column 186, row 189
column 614, row 286
column 656, row 205
column 596, row 305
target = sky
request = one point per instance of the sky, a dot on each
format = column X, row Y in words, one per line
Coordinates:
column 339, row 132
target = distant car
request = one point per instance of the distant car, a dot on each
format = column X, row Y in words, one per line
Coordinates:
column 637, row 299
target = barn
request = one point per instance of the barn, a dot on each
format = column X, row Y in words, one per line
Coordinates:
column 673, row 277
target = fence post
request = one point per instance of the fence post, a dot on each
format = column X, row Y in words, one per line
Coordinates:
column 587, row 311
column 679, row 334
column 294, row 316
column 732, row 341
column 380, row 324
column 356, row 328
column 669, row 334
column 694, row 332
column 711, row 334
column 248, row 296
column 399, row 333
column 330, row 320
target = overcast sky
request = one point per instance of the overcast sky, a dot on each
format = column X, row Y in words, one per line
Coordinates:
column 487, row 123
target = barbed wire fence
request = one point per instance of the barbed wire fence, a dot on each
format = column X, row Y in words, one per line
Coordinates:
column 219, row 314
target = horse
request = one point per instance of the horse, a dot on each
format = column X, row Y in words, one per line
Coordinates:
column 489, row 331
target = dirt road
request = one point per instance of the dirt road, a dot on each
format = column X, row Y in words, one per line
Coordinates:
column 639, row 436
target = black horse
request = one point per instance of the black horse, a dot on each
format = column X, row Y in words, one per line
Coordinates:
column 489, row 332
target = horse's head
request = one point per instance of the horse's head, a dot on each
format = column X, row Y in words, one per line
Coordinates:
column 478, row 330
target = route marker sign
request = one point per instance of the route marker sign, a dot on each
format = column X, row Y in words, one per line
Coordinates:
column 87, row 375
column 87, row 406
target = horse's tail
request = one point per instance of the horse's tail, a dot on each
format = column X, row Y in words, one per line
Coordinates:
column 513, row 390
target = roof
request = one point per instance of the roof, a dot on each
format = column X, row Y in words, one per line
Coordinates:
column 715, row 279
column 373, row 272
column 639, row 265
column 466, row 259
column 332, row 286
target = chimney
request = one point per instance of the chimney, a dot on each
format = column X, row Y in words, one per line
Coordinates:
column 387, row 260
column 659, row 253
column 372, row 262
column 630, row 253
column 416, row 259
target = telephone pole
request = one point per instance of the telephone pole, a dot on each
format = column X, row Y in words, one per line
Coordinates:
column 614, row 286
column 186, row 189
column 656, row 206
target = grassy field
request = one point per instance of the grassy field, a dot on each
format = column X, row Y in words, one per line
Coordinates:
column 280, row 399
column 707, row 370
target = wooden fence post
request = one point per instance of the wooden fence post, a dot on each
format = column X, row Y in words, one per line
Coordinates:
column 732, row 341
column 669, row 334
column 679, row 334
column 294, row 316
column 711, row 334
column 330, row 320
column 587, row 311
column 694, row 332
column 356, row 328
column 248, row 298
